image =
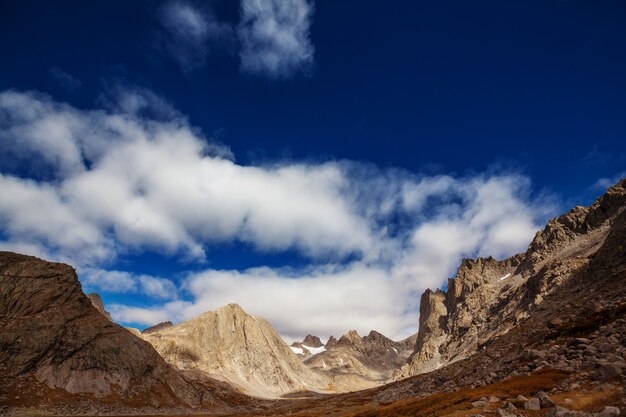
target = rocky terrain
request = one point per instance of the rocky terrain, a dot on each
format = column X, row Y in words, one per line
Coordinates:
column 549, row 342
column 354, row 362
column 487, row 298
column 233, row 346
column 60, row 353
column 98, row 304
column 311, row 345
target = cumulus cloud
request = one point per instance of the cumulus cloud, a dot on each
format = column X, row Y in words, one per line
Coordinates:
column 275, row 37
column 126, row 282
column 121, row 182
column 459, row 217
column 188, row 33
column 144, row 184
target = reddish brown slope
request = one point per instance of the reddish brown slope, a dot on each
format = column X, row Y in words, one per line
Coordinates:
column 55, row 344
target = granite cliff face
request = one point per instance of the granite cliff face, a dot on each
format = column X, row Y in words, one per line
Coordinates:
column 232, row 346
column 58, row 349
column 487, row 298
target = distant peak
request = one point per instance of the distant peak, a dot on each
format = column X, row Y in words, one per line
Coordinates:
column 157, row 327
column 312, row 341
column 350, row 338
column 233, row 307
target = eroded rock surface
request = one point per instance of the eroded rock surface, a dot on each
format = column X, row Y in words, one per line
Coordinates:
column 238, row 348
column 487, row 298
column 354, row 362
column 57, row 348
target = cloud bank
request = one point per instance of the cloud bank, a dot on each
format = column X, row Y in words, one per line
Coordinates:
column 115, row 181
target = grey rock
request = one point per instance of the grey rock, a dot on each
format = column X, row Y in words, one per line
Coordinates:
column 501, row 412
column 532, row 404
column 609, row 411
column 545, row 400
column 609, row 371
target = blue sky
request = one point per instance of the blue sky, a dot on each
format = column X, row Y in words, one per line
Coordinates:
column 320, row 163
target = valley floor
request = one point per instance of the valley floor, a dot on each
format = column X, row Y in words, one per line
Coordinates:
column 590, row 397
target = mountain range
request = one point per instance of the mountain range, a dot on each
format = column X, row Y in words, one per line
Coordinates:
column 540, row 333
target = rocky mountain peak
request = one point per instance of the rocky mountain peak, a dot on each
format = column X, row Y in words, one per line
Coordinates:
column 312, row 341
column 351, row 338
column 95, row 299
column 232, row 308
column 563, row 232
column 241, row 349
column 488, row 297
column 157, row 327
column 331, row 342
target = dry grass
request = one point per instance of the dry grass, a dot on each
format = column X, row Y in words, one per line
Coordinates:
column 460, row 402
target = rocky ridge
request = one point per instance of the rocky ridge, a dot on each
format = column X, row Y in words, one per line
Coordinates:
column 238, row 348
column 157, row 327
column 99, row 305
column 311, row 345
column 354, row 362
column 564, row 353
column 487, row 298
column 58, row 352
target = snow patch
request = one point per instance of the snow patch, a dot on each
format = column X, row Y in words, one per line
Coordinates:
column 315, row 350
column 297, row 350
column 505, row 277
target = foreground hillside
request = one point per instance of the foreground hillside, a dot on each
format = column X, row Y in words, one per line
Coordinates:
column 59, row 353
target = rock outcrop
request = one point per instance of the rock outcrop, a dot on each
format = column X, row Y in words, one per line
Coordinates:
column 487, row 298
column 59, row 352
column 354, row 362
column 246, row 351
column 311, row 345
column 98, row 304
column 157, row 327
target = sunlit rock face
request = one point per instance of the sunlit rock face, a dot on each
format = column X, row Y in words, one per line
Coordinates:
column 487, row 297
column 233, row 346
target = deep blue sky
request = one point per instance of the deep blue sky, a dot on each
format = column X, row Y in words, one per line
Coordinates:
column 456, row 84
column 431, row 87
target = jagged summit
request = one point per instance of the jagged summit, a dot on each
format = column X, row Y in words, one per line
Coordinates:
column 487, row 297
column 354, row 362
column 312, row 341
column 98, row 304
column 156, row 327
column 233, row 346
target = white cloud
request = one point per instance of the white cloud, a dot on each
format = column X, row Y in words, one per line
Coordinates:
column 125, row 282
column 189, row 32
column 121, row 183
column 480, row 215
column 126, row 182
column 604, row 183
column 275, row 37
